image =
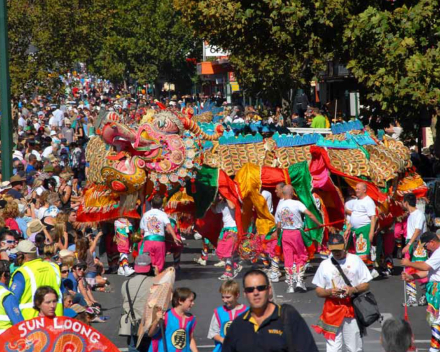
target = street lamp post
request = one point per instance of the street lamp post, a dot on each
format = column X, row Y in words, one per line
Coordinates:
column 5, row 95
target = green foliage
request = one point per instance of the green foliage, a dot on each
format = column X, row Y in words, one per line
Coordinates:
column 274, row 45
column 143, row 40
column 395, row 54
column 147, row 41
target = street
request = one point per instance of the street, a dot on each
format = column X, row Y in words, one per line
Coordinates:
column 203, row 280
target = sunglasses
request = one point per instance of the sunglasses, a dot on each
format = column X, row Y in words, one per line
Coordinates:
column 80, row 268
column 259, row 288
column 426, row 244
column 9, row 241
column 64, row 271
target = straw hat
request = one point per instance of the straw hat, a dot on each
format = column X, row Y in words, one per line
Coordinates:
column 34, row 226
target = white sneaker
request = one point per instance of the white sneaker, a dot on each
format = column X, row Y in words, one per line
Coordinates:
column 300, row 287
column 200, row 261
column 220, row 264
column 121, row 271
column 197, row 236
column 374, row 273
column 182, row 238
column 226, row 277
column 128, row 271
column 290, row 289
column 273, row 277
column 238, row 269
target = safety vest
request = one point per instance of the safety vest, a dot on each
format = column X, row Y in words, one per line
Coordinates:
column 38, row 273
column 5, row 322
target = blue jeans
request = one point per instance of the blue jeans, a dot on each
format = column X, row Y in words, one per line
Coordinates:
column 79, row 299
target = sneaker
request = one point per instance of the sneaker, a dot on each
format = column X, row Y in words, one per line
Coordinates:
column 220, row 264
column 197, row 236
column 273, row 277
column 410, row 302
column 374, row 273
column 182, row 238
column 238, row 269
column 128, row 271
column 226, row 277
column 422, row 301
column 98, row 320
column 121, row 271
column 300, row 287
column 200, row 261
column 307, row 266
column 399, row 253
column 290, row 289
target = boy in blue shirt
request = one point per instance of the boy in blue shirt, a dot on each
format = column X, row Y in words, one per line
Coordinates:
column 225, row 314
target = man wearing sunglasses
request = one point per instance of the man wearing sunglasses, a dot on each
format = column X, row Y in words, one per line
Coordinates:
column 429, row 269
column 9, row 311
column 7, row 242
column 267, row 326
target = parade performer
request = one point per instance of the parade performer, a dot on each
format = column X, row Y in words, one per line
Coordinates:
column 337, row 322
column 413, row 250
column 363, row 223
column 227, row 242
column 153, row 225
column 273, row 246
column 225, row 314
column 123, row 229
column 289, row 220
column 173, row 248
column 179, row 325
column 429, row 269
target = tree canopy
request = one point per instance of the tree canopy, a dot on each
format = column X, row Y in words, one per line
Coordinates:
column 142, row 40
column 396, row 55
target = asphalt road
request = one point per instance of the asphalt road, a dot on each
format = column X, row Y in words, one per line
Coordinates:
column 203, row 280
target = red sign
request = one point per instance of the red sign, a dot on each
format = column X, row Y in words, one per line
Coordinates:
column 232, row 77
column 57, row 334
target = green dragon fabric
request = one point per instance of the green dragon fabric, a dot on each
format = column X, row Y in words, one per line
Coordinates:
column 301, row 181
column 206, row 186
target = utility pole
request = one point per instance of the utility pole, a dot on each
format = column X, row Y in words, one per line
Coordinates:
column 5, row 95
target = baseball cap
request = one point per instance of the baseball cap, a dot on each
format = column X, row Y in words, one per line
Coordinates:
column 427, row 236
column 336, row 242
column 142, row 264
column 25, row 246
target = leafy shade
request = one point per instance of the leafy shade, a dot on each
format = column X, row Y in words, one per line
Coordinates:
column 274, row 45
column 396, row 55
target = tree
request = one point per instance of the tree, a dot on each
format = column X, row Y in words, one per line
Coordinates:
column 274, row 45
column 47, row 37
column 395, row 53
column 146, row 41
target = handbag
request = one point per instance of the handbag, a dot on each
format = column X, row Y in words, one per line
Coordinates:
column 365, row 305
column 134, row 322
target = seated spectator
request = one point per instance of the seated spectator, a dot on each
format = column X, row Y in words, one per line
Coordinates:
column 76, row 285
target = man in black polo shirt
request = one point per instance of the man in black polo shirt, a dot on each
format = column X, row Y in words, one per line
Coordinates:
column 267, row 326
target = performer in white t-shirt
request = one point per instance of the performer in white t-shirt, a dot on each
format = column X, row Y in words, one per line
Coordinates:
column 227, row 241
column 271, row 259
column 415, row 226
column 430, row 269
column 153, row 225
column 289, row 219
column 363, row 223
